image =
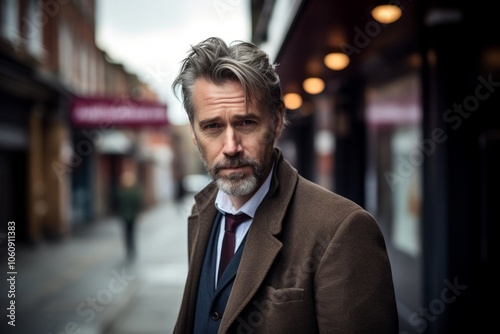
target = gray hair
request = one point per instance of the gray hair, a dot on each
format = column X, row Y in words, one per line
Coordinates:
column 217, row 62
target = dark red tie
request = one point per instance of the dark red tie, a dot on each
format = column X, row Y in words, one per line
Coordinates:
column 228, row 244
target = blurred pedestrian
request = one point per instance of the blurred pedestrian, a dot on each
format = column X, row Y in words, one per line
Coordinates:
column 304, row 259
column 130, row 205
column 178, row 168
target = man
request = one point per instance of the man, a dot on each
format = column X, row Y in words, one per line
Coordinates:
column 305, row 259
column 129, row 207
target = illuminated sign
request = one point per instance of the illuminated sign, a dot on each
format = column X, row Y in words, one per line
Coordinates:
column 95, row 112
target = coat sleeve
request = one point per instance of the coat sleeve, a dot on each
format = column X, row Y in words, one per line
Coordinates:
column 192, row 221
column 354, row 290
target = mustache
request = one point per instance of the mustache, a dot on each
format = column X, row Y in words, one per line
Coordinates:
column 233, row 162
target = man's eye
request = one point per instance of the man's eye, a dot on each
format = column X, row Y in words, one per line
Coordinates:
column 247, row 122
column 211, row 126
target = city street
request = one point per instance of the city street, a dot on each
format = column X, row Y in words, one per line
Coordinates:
column 84, row 285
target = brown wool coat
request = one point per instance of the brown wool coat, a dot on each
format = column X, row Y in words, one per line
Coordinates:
column 313, row 262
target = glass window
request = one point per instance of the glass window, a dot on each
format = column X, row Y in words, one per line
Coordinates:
column 10, row 19
column 394, row 171
column 84, row 68
column 33, row 24
column 65, row 52
column 405, row 185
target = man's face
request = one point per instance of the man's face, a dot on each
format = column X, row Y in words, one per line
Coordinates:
column 235, row 142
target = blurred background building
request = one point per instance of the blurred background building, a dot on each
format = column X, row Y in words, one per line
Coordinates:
column 401, row 117
column 71, row 120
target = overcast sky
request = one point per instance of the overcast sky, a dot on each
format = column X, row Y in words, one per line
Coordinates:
column 151, row 37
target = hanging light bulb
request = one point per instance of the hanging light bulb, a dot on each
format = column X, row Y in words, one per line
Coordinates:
column 313, row 85
column 387, row 13
column 292, row 101
column 336, row 61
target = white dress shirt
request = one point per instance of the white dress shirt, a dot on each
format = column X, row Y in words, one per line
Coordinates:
column 223, row 204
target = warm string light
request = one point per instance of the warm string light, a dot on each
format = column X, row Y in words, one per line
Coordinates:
column 386, row 14
column 336, row 61
column 313, row 85
column 292, row 101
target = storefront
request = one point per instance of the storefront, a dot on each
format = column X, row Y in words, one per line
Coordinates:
column 107, row 141
column 416, row 127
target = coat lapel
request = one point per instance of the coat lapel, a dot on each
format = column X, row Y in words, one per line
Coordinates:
column 261, row 246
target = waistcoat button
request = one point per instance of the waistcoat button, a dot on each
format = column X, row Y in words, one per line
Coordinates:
column 215, row 315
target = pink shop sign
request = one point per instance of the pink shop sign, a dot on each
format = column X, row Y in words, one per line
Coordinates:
column 95, row 112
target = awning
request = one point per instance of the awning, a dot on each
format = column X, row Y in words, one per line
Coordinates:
column 99, row 112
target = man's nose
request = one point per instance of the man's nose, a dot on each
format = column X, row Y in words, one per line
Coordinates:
column 232, row 143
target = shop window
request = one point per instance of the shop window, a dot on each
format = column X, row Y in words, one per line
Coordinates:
column 33, row 24
column 394, row 178
column 10, row 19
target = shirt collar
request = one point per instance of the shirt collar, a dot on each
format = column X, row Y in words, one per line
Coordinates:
column 223, row 201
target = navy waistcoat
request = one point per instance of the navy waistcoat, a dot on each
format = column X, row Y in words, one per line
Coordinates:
column 211, row 302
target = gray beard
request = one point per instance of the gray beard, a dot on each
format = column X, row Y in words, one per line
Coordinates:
column 237, row 185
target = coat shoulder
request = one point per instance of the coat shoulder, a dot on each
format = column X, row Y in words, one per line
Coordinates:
column 318, row 205
column 313, row 192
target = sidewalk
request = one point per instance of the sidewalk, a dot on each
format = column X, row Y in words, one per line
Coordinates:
column 161, row 270
column 84, row 285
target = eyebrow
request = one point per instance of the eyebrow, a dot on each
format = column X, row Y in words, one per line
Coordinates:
column 236, row 118
column 248, row 115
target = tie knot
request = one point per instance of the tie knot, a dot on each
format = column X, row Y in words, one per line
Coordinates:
column 232, row 221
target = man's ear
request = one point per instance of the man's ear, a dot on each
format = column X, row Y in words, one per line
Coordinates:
column 278, row 126
column 193, row 136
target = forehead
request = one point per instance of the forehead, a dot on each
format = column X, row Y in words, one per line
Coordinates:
column 204, row 89
column 211, row 97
